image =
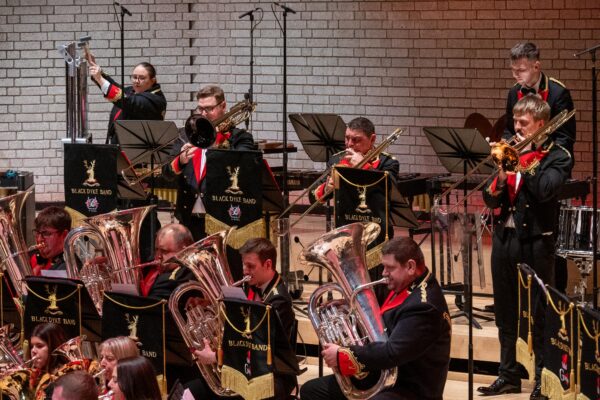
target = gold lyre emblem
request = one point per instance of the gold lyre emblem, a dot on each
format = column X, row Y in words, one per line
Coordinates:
column 91, row 174
column 132, row 325
column 233, row 178
column 246, row 314
column 362, row 200
column 52, row 308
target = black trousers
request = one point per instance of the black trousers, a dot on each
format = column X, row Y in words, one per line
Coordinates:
column 327, row 388
column 507, row 252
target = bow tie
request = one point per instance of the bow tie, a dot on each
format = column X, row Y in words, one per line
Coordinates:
column 256, row 290
column 525, row 91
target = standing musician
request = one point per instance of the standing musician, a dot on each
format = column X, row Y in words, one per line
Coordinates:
column 259, row 257
column 52, row 225
column 143, row 100
column 161, row 280
column 190, row 166
column 525, row 233
column 418, row 326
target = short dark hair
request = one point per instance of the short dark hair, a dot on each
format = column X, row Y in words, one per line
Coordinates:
column 404, row 249
column 53, row 217
column 149, row 68
column 181, row 234
column 362, row 124
column 136, row 378
column 526, row 50
column 53, row 335
column 77, row 385
column 211, row 91
column 261, row 247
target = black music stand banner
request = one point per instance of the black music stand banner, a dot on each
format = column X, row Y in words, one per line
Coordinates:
column 140, row 318
column 560, row 346
column 362, row 196
column 234, row 194
column 525, row 354
column 91, row 178
column 53, row 300
column 588, row 379
column 247, row 353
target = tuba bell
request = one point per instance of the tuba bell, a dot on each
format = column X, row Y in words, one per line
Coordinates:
column 118, row 235
column 13, row 250
column 195, row 305
column 354, row 319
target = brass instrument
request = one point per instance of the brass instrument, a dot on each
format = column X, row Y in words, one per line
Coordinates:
column 13, row 250
column 370, row 156
column 198, row 319
column 200, row 132
column 118, row 232
column 355, row 318
column 505, row 154
column 14, row 370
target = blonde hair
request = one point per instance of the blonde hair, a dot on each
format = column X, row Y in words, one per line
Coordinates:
column 120, row 347
column 532, row 104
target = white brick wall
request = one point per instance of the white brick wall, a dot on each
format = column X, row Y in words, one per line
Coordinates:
column 401, row 63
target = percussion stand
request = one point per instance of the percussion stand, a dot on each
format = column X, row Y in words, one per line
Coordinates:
column 592, row 51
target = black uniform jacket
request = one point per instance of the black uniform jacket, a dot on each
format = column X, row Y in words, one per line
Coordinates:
column 187, row 183
column 419, row 332
column 536, row 205
column 558, row 98
column 148, row 105
column 168, row 281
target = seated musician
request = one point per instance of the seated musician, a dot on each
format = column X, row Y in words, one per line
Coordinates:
column 162, row 279
column 189, row 167
column 418, row 326
column 52, row 225
column 111, row 351
column 134, row 378
column 259, row 257
column 76, row 385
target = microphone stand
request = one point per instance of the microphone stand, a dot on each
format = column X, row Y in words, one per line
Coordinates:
column 250, row 96
column 592, row 51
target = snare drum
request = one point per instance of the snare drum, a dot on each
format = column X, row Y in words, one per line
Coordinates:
column 575, row 232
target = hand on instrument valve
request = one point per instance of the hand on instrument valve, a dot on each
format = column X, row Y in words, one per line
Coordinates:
column 353, row 157
column 206, row 355
column 329, row 354
column 187, row 153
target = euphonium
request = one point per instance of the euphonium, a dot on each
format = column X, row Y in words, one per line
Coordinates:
column 197, row 318
column 13, row 250
column 118, row 233
column 354, row 319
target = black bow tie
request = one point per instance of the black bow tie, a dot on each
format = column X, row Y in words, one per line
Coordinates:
column 256, row 290
column 525, row 91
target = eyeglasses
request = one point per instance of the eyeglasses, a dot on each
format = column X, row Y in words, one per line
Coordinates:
column 44, row 234
column 207, row 109
column 140, row 78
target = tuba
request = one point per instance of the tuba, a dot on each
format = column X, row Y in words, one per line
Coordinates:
column 195, row 305
column 354, row 319
column 118, row 234
column 13, row 250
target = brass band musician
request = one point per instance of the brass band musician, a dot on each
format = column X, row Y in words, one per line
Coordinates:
column 52, row 225
column 189, row 167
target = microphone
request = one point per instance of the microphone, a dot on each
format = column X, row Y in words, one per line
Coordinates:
column 297, row 240
column 126, row 11
column 285, row 8
column 248, row 13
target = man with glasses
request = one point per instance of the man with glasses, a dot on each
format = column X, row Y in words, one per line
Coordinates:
column 190, row 165
column 52, row 225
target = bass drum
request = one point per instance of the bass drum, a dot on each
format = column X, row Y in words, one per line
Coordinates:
column 575, row 232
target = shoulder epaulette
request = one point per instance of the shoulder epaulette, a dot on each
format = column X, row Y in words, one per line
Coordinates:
column 155, row 91
column 565, row 150
column 558, row 82
column 388, row 155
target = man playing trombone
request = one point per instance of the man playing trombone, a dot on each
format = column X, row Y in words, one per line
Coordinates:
column 190, row 164
column 418, row 326
column 527, row 198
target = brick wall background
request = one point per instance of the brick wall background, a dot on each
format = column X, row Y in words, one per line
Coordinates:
column 401, row 63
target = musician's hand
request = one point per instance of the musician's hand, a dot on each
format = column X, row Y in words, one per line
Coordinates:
column 353, row 157
column 329, row 354
column 95, row 72
column 187, row 152
column 206, row 355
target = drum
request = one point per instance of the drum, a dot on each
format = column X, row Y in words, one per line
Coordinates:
column 575, row 232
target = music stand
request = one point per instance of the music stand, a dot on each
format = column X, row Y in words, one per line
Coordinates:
column 401, row 212
column 125, row 190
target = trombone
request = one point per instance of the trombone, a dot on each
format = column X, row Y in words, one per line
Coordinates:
column 542, row 132
column 199, row 131
column 374, row 153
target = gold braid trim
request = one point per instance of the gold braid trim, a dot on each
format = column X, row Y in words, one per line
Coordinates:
column 374, row 256
column 552, row 388
column 525, row 358
column 244, row 331
column 525, row 354
column 261, row 387
column 239, row 236
column 39, row 296
column 358, row 366
column 135, row 307
column 562, row 314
